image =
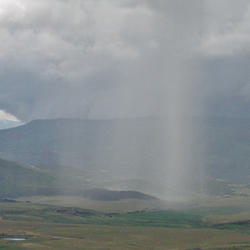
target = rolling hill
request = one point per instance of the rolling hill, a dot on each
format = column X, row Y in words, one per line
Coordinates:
column 26, row 180
column 22, row 179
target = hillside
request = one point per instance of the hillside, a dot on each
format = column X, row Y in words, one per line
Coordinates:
column 112, row 153
column 228, row 148
column 21, row 179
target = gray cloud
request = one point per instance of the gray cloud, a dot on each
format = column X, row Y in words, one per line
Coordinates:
column 111, row 58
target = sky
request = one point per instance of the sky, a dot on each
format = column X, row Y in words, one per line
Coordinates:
column 7, row 117
column 123, row 58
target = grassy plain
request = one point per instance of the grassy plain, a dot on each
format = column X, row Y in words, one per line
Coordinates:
column 61, row 222
column 79, row 236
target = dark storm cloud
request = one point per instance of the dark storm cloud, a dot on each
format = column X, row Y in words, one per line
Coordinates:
column 109, row 58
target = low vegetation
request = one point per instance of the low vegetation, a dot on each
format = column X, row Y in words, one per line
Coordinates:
column 22, row 179
column 45, row 226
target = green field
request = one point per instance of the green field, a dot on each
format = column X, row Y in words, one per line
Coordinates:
column 51, row 223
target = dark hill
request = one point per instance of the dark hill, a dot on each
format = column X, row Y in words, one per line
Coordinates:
column 109, row 195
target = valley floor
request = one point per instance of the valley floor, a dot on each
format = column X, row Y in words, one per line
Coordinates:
column 69, row 236
column 51, row 223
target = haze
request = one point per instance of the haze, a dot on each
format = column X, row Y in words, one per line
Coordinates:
column 180, row 61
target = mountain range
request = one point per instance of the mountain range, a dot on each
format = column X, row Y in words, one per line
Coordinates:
column 121, row 153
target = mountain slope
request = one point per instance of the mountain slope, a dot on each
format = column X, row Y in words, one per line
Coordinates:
column 21, row 179
column 103, row 150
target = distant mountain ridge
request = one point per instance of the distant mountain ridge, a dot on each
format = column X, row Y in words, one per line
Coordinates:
column 122, row 148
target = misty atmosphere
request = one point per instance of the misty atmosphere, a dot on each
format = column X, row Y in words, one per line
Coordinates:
column 128, row 115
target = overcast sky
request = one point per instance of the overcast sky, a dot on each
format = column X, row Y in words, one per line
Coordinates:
column 114, row 58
